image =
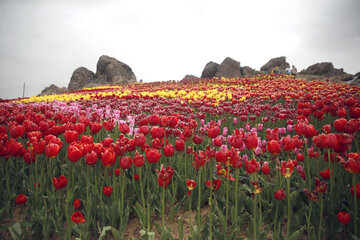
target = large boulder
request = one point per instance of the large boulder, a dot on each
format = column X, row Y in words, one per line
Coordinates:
column 327, row 70
column 279, row 62
column 248, row 71
column 80, row 77
column 111, row 70
column 53, row 89
column 324, row 68
column 210, row 70
column 228, row 68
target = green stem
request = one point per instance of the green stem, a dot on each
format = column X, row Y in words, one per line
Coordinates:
column 276, row 217
column 190, row 198
column 289, row 207
column 163, row 206
column 254, row 215
column 227, row 199
column 321, row 215
column 210, row 199
column 236, row 193
column 142, row 191
column 308, row 220
column 355, row 203
column 199, row 199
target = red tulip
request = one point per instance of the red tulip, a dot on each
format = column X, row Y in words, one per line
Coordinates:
column 352, row 165
column 157, row 132
column 152, row 155
column 60, row 182
column 197, row 139
column 95, row 127
column 144, row 130
column 213, row 132
column 191, row 184
column 168, row 150
column 125, row 162
column 216, row 184
column 154, row 119
column 138, row 160
column 77, row 217
column 91, row 158
column 109, row 125
column 77, row 203
column 17, row 131
column 325, row 174
column 279, row 194
column 20, row 199
column 139, row 140
column 107, row 190
column 252, row 166
column 108, row 157
column 124, row 128
column 274, row 147
column 165, row 175
column 251, row 142
column 343, row 218
column 309, row 131
column 339, row 124
column 265, row 168
column 320, row 186
column 300, row 157
column 341, row 112
column 79, row 127
column 71, row 136
column 287, row 168
column 52, row 150
column 74, row 152
column 179, row 145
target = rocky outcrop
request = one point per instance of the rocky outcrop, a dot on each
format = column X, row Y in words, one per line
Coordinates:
column 210, row 70
column 327, row 70
column 228, row 68
column 324, row 68
column 80, row 77
column 111, row 70
column 248, row 71
column 190, row 76
column 52, row 89
column 279, row 62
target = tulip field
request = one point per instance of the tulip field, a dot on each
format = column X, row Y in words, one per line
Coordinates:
column 265, row 157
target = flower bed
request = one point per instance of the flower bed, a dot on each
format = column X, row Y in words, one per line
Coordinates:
column 268, row 156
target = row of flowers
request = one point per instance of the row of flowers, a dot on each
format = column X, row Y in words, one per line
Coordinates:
column 251, row 142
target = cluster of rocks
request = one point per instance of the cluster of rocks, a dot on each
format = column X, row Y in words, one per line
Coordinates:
column 108, row 71
column 111, row 71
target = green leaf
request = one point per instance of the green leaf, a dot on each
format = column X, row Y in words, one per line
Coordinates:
column 141, row 214
column 114, row 232
column 174, row 210
column 296, row 235
column 15, row 231
column 180, row 228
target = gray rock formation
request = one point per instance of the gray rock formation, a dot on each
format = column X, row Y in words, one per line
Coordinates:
column 229, row 68
column 52, row 89
column 80, row 77
column 324, row 68
column 111, row 70
column 248, row 71
column 210, row 70
column 190, row 76
column 280, row 62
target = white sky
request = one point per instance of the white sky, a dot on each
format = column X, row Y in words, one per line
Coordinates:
column 43, row 41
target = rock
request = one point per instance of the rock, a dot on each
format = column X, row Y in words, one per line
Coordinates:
column 80, row 77
column 327, row 70
column 229, row 68
column 280, row 62
column 210, row 70
column 111, row 70
column 52, row 89
column 324, row 68
column 248, row 71
column 189, row 76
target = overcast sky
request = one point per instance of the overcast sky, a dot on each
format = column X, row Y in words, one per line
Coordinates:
column 44, row 41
